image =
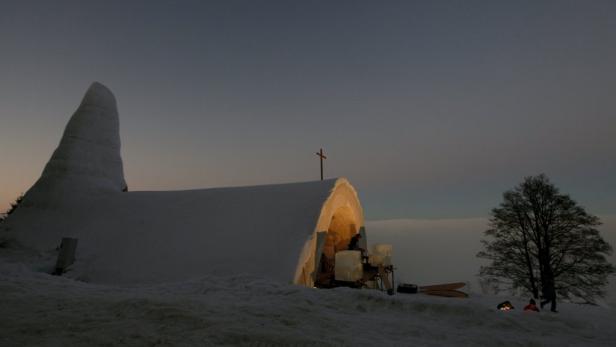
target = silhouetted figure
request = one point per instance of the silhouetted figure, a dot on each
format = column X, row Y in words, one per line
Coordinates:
column 354, row 244
column 549, row 296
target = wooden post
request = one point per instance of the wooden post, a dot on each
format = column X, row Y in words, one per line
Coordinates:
column 66, row 256
column 321, row 156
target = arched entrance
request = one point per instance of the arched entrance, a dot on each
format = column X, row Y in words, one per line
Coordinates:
column 340, row 218
column 341, row 228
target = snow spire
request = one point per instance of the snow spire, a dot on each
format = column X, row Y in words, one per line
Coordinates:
column 88, row 158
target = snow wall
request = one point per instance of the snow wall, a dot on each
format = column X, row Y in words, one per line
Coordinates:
column 149, row 237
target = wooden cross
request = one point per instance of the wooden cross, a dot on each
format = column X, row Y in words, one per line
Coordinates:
column 321, row 156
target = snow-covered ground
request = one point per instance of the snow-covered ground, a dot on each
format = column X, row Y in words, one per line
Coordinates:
column 42, row 310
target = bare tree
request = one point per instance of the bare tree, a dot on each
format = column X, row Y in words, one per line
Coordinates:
column 543, row 242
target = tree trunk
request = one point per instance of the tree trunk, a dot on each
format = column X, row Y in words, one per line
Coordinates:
column 531, row 273
column 547, row 280
column 551, row 287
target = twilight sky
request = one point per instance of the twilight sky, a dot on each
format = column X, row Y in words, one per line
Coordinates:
column 431, row 109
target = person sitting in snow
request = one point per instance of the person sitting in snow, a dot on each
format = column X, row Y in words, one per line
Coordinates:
column 505, row 306
column 532, row 306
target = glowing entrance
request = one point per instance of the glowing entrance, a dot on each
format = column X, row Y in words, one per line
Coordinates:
column 341, row 228
column 340, row 218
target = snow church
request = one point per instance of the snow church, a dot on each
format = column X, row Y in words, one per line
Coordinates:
column 277, row 231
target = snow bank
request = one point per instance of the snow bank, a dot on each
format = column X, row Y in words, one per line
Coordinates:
column 41, row 310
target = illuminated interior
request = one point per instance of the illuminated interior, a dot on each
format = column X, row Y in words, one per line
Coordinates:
column 340, row 218
column 341, row 228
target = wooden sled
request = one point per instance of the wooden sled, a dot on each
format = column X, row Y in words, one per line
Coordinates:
column 448, row 290
column 447, row 293
column 445, row 286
